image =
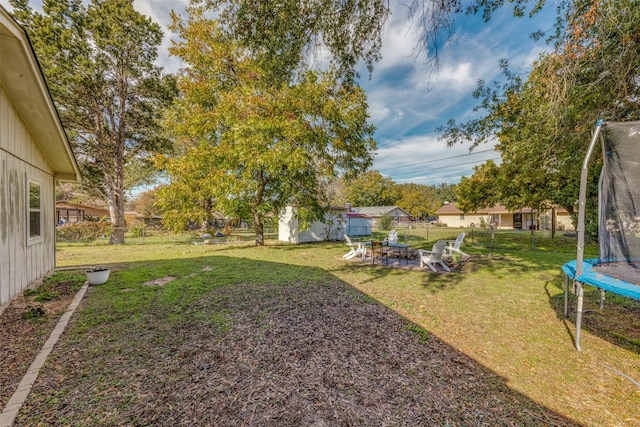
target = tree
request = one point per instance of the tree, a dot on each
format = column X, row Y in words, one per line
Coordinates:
column 252, row 140
column 371, row 189
column 98, row 61
column 544, row 123
column 285, row 33
column 446, row 192
column 418, row 199
column 145, row 203
column 481, row 190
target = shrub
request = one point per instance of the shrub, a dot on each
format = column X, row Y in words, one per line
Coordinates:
column 137, row 229
column 86, row 231
column 385, row 222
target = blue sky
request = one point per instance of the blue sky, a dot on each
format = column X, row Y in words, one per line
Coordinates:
column 406, row 102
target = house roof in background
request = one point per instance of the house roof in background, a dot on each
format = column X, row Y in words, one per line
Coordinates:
column 68, row 205
column 23, row 82
column 451, row 208
column 378, row 210
column 357, row 215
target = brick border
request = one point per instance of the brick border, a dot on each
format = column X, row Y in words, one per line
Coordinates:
column 10, row 411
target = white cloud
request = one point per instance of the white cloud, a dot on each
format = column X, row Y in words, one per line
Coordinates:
column 427, row 160
column 402, row 84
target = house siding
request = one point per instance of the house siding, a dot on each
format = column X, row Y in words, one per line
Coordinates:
column 454, row 220
column 564, row 220
column 450, row 216
column 20, row 159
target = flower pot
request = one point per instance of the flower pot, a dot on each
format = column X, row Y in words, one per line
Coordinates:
column 98, row 276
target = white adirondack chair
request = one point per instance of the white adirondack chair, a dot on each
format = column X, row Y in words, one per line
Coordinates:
column 454, row 245
column 433, row 258
column 353, row 250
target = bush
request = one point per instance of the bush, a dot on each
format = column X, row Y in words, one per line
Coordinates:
column 137, row 229
column 86, row 231
column 385, row 222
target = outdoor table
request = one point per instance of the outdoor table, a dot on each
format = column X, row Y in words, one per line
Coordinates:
column 402, row 248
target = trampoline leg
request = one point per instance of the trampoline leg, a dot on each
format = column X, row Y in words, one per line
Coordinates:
column 579, row 315
column 602, row 298
column 566, row 296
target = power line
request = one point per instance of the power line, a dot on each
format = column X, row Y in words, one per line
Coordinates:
column 436, row 160
column 448, row 166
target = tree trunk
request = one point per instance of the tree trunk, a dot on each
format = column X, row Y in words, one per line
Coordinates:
column 207, row 205
column 259, row 227
column 116, row 211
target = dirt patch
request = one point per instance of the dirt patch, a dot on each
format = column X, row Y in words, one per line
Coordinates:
column 25, row 325
column 160, row 282
column 314, row 353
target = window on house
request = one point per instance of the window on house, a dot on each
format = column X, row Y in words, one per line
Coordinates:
column 34, row 211
column 462, row 216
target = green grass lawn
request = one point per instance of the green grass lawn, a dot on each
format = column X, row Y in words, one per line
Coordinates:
column 502, row 309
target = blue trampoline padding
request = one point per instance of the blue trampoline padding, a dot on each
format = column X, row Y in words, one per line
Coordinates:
column 599, row 280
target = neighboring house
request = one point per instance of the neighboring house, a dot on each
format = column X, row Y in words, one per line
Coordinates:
column 70, row 213
column 376, row 212
column 34, row 154
column 450, row 216
column 332, row 228
column 76, row 212
column 564, row 220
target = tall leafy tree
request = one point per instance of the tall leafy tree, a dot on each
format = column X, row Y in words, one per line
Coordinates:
column 446, row 192
column 480, row 190
column 251, row 139
column 145, row 203
column 288, row 33
column 98, row 60
column 418, row 199
column 371, row 189
column 544, row 123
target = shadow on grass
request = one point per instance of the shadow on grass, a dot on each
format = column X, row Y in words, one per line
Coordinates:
column 234, row 341
column 618, row 322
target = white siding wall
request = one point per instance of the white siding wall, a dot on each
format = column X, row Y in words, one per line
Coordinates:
column 20, row 159
column 332, row 228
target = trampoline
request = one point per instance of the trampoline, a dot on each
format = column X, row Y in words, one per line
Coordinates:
column 617, row 268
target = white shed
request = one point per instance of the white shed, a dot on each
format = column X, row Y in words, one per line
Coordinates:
column 34, row 154
column 332, row 228
column 359, row 224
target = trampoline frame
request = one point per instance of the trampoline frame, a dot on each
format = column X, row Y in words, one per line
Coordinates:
column 581, row 270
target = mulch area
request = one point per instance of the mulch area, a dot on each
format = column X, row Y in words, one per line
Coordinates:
column 317, row 353
column 21, row 339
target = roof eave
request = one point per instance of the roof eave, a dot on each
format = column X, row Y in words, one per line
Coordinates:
column 23, row 82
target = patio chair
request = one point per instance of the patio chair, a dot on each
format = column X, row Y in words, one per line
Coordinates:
column 392, row 237
column 379, row 250
column 433, row 258
column 454, row 245
column 353, row 250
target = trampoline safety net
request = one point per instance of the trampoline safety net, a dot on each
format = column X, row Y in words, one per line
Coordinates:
column 619, row 204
